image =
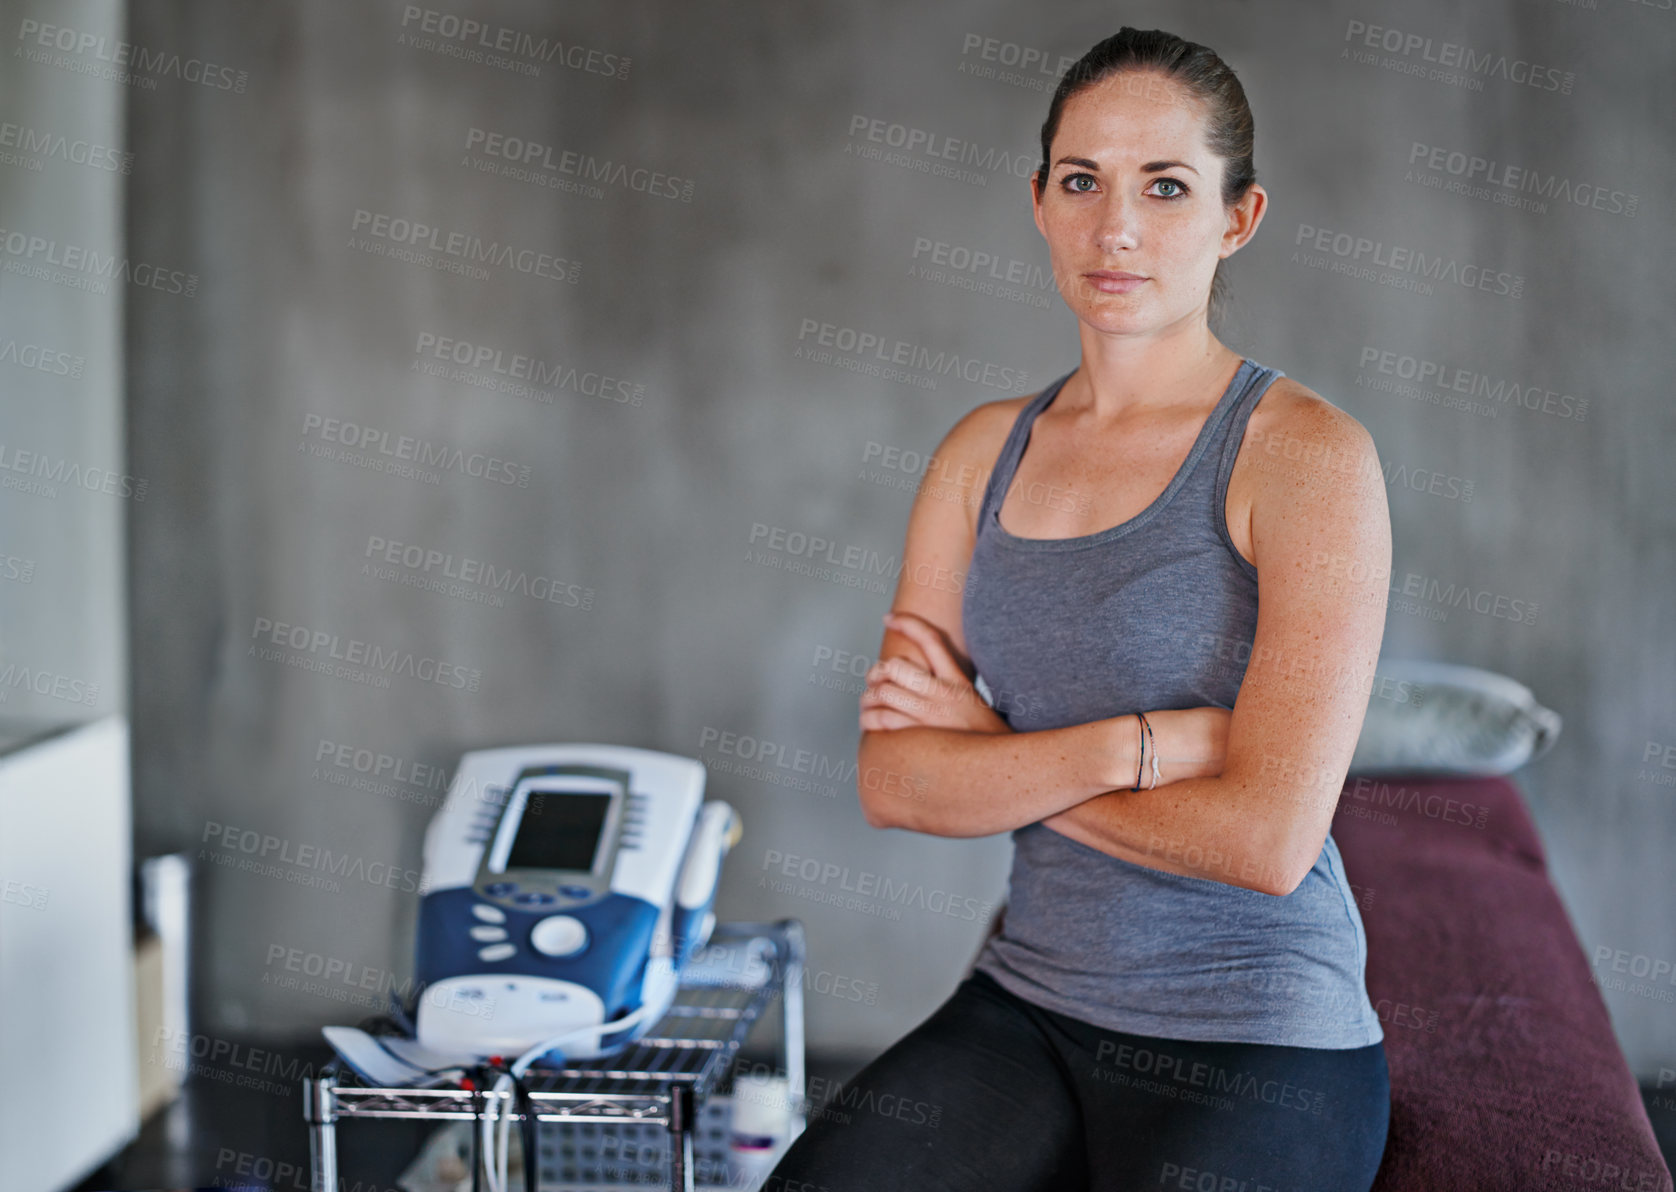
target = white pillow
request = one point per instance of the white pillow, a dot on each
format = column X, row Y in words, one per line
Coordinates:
column 1439, row 718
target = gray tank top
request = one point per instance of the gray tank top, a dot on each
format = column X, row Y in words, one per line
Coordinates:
column 1158, row 612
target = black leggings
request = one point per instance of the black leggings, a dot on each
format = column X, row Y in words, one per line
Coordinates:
column 996, row 1093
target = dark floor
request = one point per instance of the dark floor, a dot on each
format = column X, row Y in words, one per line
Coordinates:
column 217, row 1134
column 1661, row 1110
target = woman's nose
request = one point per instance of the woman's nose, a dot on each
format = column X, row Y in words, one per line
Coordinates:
column 1116, row 227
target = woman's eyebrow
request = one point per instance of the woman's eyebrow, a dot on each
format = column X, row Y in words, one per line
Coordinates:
column 1151, row 167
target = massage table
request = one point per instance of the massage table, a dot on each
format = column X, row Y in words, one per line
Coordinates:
column 1505, row 1072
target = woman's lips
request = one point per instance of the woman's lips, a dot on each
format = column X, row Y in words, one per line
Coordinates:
column 1114, row 282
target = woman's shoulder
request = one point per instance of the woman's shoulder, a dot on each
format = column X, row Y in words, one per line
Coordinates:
column 1292, row 423
column 1298, row 448
column 988, row 415
column 979, row 434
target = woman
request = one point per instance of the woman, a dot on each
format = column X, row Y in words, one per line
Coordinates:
column 1176, row 996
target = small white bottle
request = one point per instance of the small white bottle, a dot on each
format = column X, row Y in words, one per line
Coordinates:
column 758, row 1132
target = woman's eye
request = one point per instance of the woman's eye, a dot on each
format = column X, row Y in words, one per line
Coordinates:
column 1072, row 182
column 1181, row 190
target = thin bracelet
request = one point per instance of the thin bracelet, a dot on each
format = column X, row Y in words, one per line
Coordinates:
column 1140, row 758
column 1147, row 735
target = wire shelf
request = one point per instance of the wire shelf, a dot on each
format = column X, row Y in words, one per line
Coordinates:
column 657, row 1079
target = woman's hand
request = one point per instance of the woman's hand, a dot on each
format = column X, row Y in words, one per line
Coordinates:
column 900, row 694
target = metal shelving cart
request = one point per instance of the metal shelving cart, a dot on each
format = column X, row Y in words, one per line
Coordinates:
column 659, row 1079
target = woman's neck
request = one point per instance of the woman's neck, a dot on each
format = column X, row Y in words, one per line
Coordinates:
column 1122, row 377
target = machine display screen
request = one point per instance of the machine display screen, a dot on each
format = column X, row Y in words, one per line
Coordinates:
column 559, row 830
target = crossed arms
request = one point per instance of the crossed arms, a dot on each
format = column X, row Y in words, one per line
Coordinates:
column 1244, row 797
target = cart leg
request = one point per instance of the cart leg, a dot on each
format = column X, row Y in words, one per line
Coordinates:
column 320, row 1110
column 323, row 1153
column 681, row 1138
column 791, row 1022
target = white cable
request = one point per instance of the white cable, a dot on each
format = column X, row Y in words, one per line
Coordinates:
column 523, row 1062
column 494, row 1169
column 495, row 1156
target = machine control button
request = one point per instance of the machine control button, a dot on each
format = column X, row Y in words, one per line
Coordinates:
column 497, row 952
column 576, row 891
column 534, row 898
column 489, row 914
column 486, row 933
column 500, row 889
column 559, row 935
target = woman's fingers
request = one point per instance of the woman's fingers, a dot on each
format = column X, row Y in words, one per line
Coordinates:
column 921, row 692
column 943, row 696
column 873, row 719
column 884, row 693
column 929, row 639
column 900, row 671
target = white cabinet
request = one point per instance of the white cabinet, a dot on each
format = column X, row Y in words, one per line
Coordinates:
column 69, row 1093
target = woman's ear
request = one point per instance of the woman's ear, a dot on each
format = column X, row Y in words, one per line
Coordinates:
column 1243, row 219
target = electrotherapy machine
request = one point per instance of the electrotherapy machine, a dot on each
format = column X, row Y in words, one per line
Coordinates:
column 565, row 887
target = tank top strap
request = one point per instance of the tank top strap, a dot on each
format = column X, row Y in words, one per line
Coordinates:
column 1001, row 475
column 1232, row 434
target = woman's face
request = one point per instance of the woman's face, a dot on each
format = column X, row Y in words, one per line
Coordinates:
column 1132, row 188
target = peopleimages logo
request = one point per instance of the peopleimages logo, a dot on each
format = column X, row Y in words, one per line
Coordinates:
column 33, row 144
column 867, row 884
column 319, row 649
column 1114, row 1059
column 270, row 854
column 410, row 450
column 873, row 349
column 40, row 256
column 40, row 358
column 1440, row 381
column 1446, row 60
column 933, row 152
column 442, row 571
column 465, row 37
column 1455, row 595
column 530, row 157
column 490, row 367
column 48, row 471
column 1409, row 265
column 38, row 39
column 1500, row 179
column 1020, row 65
column 421, row 239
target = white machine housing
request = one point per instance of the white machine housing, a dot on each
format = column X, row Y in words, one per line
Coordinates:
column 564, row 887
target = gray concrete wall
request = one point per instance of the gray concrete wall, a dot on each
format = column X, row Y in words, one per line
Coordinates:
column 63, row 484
column 677, row 622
